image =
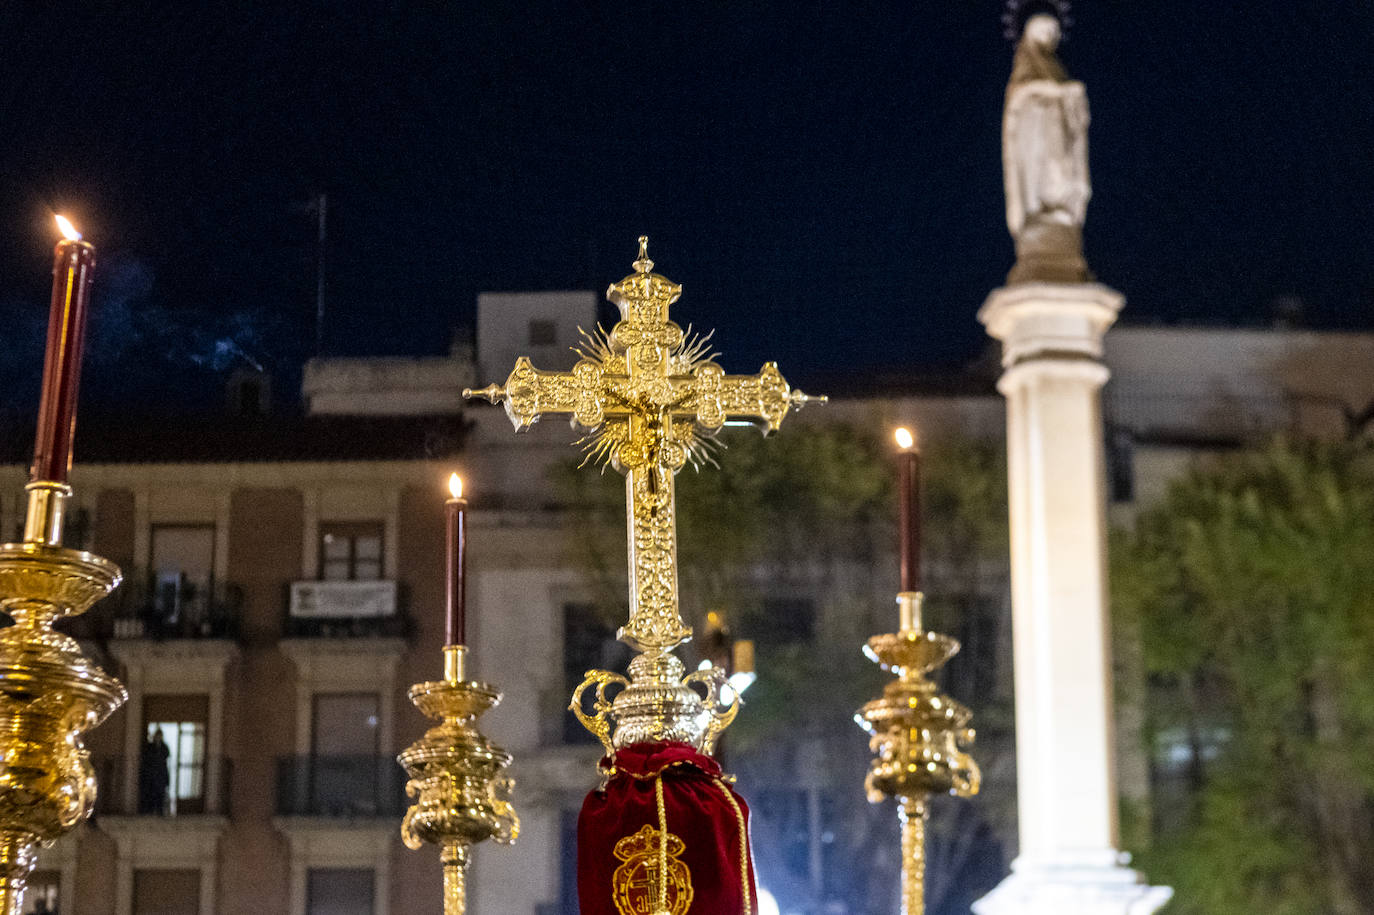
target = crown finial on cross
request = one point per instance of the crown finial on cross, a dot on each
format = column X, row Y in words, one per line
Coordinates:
column 642, row 264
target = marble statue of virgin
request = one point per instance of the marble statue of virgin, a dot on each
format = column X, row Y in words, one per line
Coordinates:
column 1045, row 159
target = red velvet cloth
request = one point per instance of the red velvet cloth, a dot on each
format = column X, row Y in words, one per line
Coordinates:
column 618, row 859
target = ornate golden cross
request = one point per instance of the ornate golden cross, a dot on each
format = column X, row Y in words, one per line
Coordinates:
column 652, row 399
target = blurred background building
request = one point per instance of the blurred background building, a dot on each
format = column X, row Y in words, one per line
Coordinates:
column 284, row 586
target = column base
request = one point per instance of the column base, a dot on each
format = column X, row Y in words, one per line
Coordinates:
column 1097, row 884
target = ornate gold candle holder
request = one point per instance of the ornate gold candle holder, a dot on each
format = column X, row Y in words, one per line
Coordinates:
column 918, row 737
column 461, row 797
column 50, row 693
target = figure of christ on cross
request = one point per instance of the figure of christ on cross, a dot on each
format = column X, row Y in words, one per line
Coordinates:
column 651, row 400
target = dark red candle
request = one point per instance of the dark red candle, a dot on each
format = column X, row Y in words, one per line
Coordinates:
column 73, row 267
column 455, row 615
column 909, row 522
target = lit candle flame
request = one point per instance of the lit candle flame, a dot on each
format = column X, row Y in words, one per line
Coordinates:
column 905, row 440
column 68, row 230
column 455, row 486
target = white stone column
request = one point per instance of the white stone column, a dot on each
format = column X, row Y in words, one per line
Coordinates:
column 1069, row 859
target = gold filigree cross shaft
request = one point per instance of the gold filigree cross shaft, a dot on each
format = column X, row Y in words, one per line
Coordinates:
column 651, row 398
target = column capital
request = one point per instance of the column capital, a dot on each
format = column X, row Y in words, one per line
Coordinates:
column 1050, row 320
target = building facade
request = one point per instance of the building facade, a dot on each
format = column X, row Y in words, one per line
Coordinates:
column 284, row 586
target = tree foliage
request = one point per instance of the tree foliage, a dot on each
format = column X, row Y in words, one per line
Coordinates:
column 1252, row 587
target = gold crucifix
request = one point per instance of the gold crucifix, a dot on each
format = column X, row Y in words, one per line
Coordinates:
column 651, row 398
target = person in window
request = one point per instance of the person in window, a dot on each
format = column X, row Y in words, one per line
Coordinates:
column 146, row 764
column 153, row 775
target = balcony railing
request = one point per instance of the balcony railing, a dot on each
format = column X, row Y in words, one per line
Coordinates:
column 348, row 609
column 206, row 788
column 340, row 786
column 171, row 609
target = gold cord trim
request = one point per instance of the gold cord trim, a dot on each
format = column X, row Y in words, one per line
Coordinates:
column 743, row 845
column 614, row 770
column 662, row 845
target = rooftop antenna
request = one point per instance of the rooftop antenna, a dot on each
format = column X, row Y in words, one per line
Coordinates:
column 321, row 210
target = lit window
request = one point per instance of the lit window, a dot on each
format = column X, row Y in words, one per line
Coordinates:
column 172, row 770
column 41, row 896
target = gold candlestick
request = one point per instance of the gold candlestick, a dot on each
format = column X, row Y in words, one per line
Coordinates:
column 918, row 737
column 50, row 693
column 461, row 797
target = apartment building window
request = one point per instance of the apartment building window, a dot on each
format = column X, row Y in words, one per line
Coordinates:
column 339, row 891
column 41, row 897
column 166, row 892
column 345, row 724
column 171, row 769
column 248, row 397
column 183, row 567
column 543, row 333
column 345, row 774
column 351, row 551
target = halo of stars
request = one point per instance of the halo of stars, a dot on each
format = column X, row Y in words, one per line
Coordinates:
column 1016, row 12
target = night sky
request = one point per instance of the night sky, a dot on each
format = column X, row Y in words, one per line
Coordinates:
column 823, row 178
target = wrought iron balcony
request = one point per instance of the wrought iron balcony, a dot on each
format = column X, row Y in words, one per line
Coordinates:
column 170, row 608
column 347, row 787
